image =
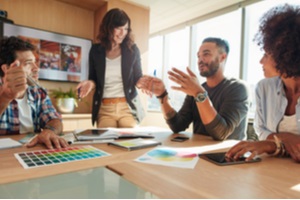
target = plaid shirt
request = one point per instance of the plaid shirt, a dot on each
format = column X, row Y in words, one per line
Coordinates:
column 41, row 108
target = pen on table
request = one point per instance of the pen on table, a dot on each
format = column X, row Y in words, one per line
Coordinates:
column 30, row 140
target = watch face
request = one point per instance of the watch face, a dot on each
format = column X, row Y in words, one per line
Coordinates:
column 201, row 97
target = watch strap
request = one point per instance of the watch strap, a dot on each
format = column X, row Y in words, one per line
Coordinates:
column 165, row 93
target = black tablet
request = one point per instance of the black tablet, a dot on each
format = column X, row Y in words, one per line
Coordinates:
column 220, row 159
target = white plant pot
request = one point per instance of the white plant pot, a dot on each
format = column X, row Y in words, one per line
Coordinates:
column 65, row 105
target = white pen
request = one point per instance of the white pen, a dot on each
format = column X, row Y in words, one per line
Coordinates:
column 92, row 141
column 30, row 140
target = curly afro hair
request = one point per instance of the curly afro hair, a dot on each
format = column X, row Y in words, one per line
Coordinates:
column 279, row 35
column 8, row 48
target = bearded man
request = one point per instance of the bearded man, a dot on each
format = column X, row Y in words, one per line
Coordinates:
column 217, row 108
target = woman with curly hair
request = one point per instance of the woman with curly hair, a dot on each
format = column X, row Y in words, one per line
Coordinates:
column 114, row 72
column 277, row 117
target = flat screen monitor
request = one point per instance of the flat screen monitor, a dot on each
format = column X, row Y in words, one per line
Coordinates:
column 60, row 57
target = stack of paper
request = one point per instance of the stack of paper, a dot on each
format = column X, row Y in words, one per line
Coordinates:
column 9, row 143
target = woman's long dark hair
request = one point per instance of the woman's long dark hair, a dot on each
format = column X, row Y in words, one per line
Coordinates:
column 114, row 18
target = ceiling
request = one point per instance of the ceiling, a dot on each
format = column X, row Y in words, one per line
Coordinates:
column 87, row 4
column 165, row 14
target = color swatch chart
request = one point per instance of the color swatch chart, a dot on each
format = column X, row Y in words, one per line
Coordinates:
column 48, row 157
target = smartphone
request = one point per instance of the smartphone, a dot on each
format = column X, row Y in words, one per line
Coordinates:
column 221, row 159
column 179, row 139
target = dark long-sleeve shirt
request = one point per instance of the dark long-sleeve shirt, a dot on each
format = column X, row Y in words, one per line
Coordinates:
column 230, row 99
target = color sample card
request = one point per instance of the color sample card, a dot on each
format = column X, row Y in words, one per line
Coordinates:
column 48, row 157
column 173, row 157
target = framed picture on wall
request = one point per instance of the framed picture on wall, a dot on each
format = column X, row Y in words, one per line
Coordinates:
column 60, row 57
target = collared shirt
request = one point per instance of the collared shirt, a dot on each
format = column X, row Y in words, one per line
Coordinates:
column 271, row 103
column 42, row 111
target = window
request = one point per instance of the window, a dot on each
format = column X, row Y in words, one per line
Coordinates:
column 155, row 66
column 179, row 49
column 176, row 54
column 156, row 56
column 228, row 27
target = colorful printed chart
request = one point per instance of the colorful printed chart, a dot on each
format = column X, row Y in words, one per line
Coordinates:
column 174, row 157
column 48, row 157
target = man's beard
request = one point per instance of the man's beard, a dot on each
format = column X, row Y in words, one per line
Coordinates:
column 212, row 68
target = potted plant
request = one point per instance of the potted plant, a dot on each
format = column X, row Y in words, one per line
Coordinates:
column 65, row 101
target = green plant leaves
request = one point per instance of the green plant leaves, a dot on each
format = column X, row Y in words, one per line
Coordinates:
column 59, row 93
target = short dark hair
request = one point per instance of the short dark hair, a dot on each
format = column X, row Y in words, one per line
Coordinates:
column 279, row 36
column 221, row 43
column 8, row 48
column 114, row 18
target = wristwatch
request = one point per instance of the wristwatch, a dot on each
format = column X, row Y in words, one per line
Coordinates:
column 200, row 97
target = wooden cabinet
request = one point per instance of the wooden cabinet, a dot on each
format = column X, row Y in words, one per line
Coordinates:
column 72, row 122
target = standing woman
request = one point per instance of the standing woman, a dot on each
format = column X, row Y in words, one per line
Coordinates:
column 114, row 72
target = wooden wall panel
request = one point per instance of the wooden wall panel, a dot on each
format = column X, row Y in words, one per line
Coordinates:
column 57, row 17
column 51, row 15
column 99, row 14
column 80, row 21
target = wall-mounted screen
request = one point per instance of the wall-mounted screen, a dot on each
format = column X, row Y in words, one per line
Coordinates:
column 60, row 57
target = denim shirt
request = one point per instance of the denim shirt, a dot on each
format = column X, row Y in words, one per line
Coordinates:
column 271, row 103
